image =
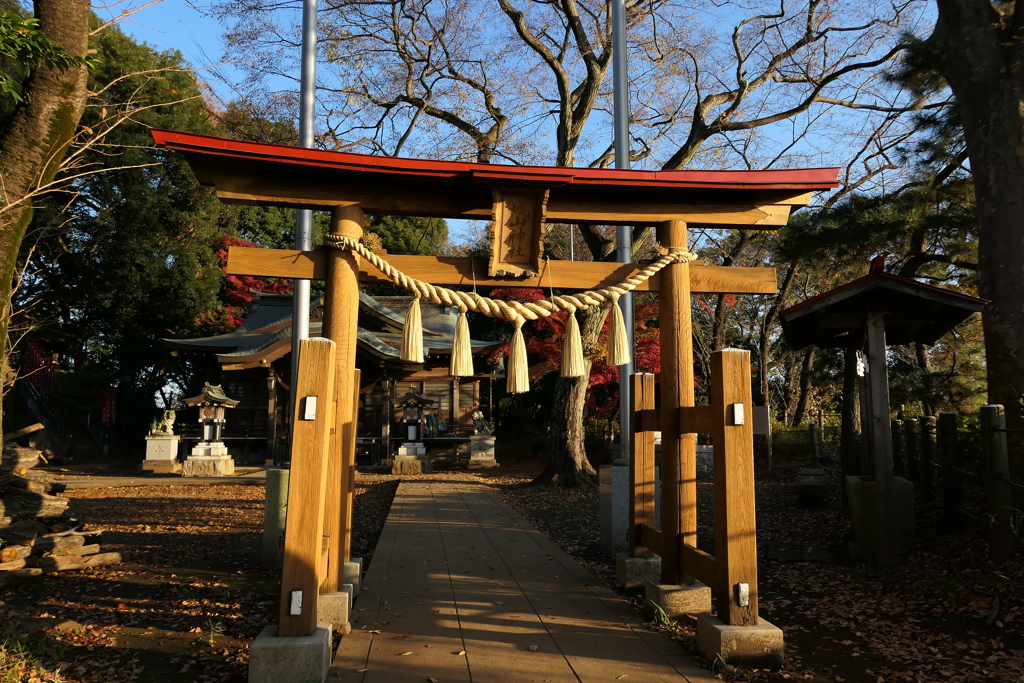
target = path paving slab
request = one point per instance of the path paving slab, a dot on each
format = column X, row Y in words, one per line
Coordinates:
column 463, row 589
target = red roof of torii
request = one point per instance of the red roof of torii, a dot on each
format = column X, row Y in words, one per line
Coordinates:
column 281, row 175
column 806, row 179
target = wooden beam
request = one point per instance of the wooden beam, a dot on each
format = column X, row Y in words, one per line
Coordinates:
column 641, row 462
column 699, row 564
column 696, row 420
column 881, row 440
column 735, row 523
column 454, row 272
column 476, row 203
column 678, row 450
column 307, row 482
column 651, row 538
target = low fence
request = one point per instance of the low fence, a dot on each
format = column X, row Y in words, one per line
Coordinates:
column 958, row 460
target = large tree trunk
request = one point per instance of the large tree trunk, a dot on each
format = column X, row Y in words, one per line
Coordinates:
column 804, row 397
column 41, row 129
column 981, row 55
column 567, row 456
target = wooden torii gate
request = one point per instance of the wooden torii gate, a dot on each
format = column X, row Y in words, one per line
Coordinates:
column 520, row 200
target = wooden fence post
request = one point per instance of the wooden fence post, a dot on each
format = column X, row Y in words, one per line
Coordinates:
column 304, row 547
column 813, row 431
column 928, row 451
column 995, row 459
column 949, row 449
column 898, row 454
column 641, row 462
column 735, row 523
column 912, row 444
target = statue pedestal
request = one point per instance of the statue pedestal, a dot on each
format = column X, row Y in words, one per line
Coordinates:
column 209, row 459
column 162, row 454
column 481, row 452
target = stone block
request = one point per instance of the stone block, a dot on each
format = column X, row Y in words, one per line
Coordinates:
column 409, row 464
column 614, row 507
column 275, row 505
column 352, row 575
column 862, row 493
column 335, row 608
column 208, row 448
column 162, row 446
column 759, row 647
column 677, row 601
column 161, row 466
column 208, row 466
column 810, row 483
column 634, row 572
column 297, row 659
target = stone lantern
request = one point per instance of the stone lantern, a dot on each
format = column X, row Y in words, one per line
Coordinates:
column 210, row 457
column 412, row 454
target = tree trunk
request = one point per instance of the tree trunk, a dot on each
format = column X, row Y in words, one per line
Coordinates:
column 804, row 397
column 41, row 129
column 977, row 48
column 567, row 456
column 767, row 327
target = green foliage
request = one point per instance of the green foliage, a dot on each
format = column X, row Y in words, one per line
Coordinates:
column 24, row 44
column 409, row 235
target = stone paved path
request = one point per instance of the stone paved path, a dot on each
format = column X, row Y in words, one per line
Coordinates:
column 461, row 588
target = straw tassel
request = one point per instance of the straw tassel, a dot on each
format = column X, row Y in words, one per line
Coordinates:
column 462, row 352
column 572, row 348
column 412, row 335
column 518, row 379
column 618, row 340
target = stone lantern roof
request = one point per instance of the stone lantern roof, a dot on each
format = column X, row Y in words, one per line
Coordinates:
column 212, row 395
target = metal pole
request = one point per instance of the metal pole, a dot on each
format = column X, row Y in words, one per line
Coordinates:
column 304, row 217
column 623, row 233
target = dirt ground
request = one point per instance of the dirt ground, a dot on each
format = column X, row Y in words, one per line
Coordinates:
column 191, row 594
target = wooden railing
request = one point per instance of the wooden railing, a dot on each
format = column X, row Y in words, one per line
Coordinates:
column 732, row 571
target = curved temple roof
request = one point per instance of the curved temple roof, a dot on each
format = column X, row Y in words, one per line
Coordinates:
column 261, row 173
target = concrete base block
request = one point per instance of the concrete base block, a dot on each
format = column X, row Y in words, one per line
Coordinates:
column 161, row 466
column 410, row 464
column 634, row 572
column 677, row 601
column 305, row 659
column 482, row 463
column 759, row 647
column 208, row 466
column 352, row 575
column 335, row 608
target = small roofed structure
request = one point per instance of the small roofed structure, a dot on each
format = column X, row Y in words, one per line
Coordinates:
column 866, row 314
column 210, row 456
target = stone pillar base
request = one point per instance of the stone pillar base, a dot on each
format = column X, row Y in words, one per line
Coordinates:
column 410, row 464
column 633, row 572
column 352, row 575
column 161, row 466
column 208, row 466
column 758, row 647
column 335, row 608
column 299, row 658
column 677, row 601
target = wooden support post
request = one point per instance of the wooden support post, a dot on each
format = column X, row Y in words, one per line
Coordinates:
column 341, row 324
column 997, row 481
column 813, row 433
column 641, row 463
column 949, row 451
column 928, row 451
column 735, row 523
column 881, row 440
column 678, row 451
column 307, row 483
